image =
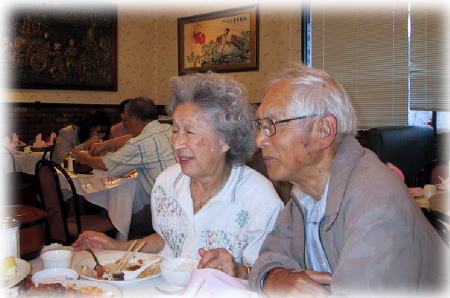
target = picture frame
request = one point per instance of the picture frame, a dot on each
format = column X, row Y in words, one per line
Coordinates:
column 67, row 48
column 221, row 41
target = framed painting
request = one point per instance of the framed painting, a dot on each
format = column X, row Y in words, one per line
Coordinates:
column 63, row 48
column 221, row 41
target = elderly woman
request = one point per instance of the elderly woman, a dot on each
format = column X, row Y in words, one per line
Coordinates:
column 209, row 205
column 81, row 135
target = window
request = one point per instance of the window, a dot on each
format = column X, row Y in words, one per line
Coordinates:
column 382, row 66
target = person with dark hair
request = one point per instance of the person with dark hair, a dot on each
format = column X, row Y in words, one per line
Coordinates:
column 82, row 134
column 148, row 152
column 119, row 129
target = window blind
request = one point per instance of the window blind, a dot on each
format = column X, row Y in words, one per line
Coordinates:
column 428, row 69
column 366, row 50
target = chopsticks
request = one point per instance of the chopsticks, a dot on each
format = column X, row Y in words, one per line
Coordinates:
column 129, row 254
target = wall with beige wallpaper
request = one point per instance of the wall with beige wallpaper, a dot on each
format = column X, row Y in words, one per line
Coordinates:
column 147, row 54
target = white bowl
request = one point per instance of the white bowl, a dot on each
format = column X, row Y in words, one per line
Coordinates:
column 54, row 275
column 178, row 271
column 58, row 258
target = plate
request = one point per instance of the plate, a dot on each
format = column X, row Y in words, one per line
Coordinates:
column 108, row 290
column 85, row 265
column 54, row 275
column 22, row 270
column 441, row 186
column 416, row 192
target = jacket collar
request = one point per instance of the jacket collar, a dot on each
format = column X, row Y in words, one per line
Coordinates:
column 344, row 162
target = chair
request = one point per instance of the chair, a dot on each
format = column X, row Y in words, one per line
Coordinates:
column 48, row 151
column 22, row 190
column 439, row 221
column 407, row 147
column 62, row 227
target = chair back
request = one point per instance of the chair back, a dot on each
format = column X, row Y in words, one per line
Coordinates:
column 48, row 151
column 53, row 201
column 439, row 221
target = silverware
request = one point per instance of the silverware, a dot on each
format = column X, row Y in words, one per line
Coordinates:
column 97, row 263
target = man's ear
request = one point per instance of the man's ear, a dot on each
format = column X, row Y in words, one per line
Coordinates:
column 224, row 146
column 327, row 131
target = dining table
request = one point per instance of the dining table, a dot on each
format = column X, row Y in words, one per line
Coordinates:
column 116, row 195
column 26, row 162
column 213, row 280
column 136, row 289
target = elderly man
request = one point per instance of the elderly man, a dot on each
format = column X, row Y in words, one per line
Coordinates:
column 351, row 226
column 149, row 151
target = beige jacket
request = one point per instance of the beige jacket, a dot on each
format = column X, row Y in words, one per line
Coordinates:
column 374, row 235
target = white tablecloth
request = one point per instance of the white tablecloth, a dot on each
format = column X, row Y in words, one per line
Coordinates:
column 26, row 162
column 117, row 198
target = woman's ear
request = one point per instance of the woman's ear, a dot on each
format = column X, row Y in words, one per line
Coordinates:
column 327, row 131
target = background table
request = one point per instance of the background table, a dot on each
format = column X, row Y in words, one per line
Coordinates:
column 116, row 198
column 26, row 162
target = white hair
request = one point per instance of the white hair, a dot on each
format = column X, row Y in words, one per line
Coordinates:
column 314, row 92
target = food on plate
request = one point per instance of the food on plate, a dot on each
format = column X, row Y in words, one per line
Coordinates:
column 8, row 267
column 27, row 288
column 107, row 272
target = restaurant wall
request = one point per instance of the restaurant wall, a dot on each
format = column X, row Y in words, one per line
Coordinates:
column 147, row 55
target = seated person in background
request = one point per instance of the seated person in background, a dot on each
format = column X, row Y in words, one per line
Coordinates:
column 81, row 135
column 351, row 223
column 149, row 152
column 209, row 205
column 119, row 129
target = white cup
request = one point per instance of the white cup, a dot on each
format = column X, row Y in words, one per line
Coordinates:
column 58, row 258
column 429, row 190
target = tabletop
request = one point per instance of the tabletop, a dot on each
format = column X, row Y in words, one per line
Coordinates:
column 116, row 195
column 26, row 162
column 214, row 283
column 140, row 288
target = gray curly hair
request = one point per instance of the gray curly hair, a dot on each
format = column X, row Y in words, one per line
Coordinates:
column 224, row 102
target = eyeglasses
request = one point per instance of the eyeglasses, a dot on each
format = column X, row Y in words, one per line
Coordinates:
column 269, row 127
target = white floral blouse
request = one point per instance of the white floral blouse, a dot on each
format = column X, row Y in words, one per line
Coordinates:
column 238, row 218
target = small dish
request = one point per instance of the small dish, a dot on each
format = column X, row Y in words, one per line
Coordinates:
column 177, row 271
column 57, row 258
column 54, row 275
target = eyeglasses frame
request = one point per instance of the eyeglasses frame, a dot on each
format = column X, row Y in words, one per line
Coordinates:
column 274, row 123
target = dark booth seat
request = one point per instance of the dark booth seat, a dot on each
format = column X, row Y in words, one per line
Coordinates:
column 407, row 147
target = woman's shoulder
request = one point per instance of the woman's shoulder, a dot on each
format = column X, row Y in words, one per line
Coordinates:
column 169, row 174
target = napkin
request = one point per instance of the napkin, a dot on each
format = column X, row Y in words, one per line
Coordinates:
column 51, row 140
column 219, row 284
column 396, row 170
column 38, row 143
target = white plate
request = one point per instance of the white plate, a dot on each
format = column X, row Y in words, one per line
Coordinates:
column 109, row 258
column 22, row 270
column 108, row 290
column 54, row 275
